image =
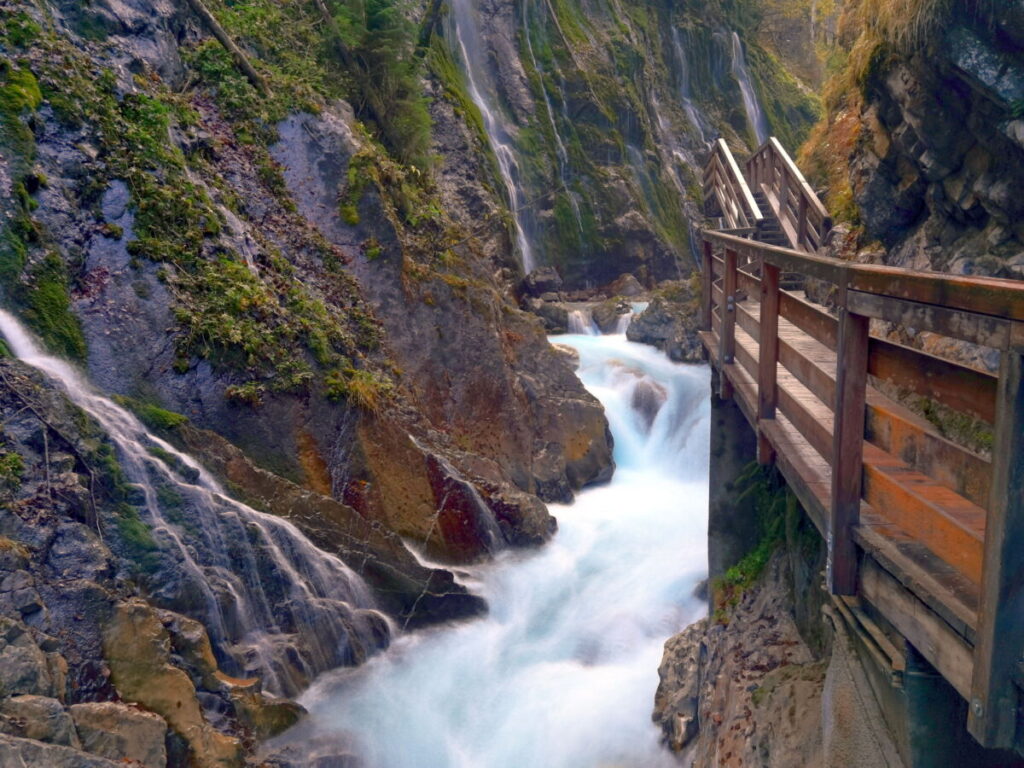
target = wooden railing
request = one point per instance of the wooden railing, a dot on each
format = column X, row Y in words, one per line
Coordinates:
column 726, row 187
column 874, row 474
column 801, row 215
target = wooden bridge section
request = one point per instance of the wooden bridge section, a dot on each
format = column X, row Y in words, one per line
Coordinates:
column 923, row 533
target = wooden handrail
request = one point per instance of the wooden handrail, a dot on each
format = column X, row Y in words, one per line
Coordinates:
column 725, row 184
column 765, row 370
column 801, row 214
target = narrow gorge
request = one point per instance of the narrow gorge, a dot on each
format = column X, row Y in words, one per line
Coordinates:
column 373, row 382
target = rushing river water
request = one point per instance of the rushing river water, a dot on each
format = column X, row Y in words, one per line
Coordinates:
column 563, row 670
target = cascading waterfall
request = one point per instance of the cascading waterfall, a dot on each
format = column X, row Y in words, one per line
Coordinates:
column 483, row 91
column 560, row 149
column 581, row 322
column 755, row 115
column 562, row 672
column 273, row 604
column 685, row 92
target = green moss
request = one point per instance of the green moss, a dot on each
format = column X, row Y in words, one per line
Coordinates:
column 153, row 416
column 48, row 308
column 19, row 96
column 765, row 498
column 137, row 539
column 12, row 467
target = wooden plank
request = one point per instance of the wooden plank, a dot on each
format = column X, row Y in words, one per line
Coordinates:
column 847, row 451
column 738, row 180
column 916, row 442
column 728, row 334
column 948, row 524
column 768, row 358
column 808, row 370
column 945, row 590
column 994, row 701
column 813, row 321
column 807, row 420
column 956, row 386
column 707, row 279
column 927, row 632
column 810, row 481
column 981, row 295
column 976, row 328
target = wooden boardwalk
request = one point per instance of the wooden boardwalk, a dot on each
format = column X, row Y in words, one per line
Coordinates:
column 925, row 536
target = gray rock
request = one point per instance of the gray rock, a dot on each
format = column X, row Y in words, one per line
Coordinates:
column 23, row 665
column 121, row 733
column 28, row 753
column 38, row 717
column 541, row 281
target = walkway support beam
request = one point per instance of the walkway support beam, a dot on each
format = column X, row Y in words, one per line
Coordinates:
column 992, row 718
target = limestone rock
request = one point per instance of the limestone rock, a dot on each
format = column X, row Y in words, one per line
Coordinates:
column 121, row 733
column 671, row 323
column 37, row 717
column 625, row 285
column 678, row 694
column 540, row 281
column 24, row 667
column 137, row 648
column 29, row 753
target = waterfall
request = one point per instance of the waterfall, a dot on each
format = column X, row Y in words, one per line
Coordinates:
column 560, row 149
column 685, row 92
column 562, row 672
column 755, row 116
column 581, row 322
column 274, row 605
column 483, row 91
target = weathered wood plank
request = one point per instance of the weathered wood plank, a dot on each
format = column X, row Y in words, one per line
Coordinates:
column 928, row 633
column 956, row 386
column 707, row 282
column 944, row 589
column 915, row 441
column 728, row 333
column 993, row 697
column 981, row 295
column 847, row 450
column 976, row 328
column 948, row 524
column 815, row 322
column 768, row 358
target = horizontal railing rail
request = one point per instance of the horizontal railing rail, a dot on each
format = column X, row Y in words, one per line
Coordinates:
column 725, row 185
column 801, row 214
column 822, row 371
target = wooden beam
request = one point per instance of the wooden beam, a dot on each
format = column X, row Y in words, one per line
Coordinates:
column 994, row 699
column 815, row 322
column 954, row 385
column 983, row 295
column 768, row 357
column 707, row 279
column 926, row 631
column 986, row 330
column 728, row 336
column 847, row 451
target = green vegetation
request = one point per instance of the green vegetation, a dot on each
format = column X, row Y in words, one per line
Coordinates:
column 12, row 466
column 153, row 416
column 765, row 498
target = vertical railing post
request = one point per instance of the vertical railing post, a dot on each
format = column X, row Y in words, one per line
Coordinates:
column 707, row 284
column 768, row 356
column 727, row 339
column 847, row 445
column 801, row 229
column 999, row 640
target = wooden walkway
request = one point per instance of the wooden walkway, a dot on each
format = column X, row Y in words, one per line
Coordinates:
column 923, row 533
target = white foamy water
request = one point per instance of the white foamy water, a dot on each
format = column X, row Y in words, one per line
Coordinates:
column 563, row 670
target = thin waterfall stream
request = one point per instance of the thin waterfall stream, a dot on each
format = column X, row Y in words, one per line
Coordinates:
column 562, row 672
column 274, row 605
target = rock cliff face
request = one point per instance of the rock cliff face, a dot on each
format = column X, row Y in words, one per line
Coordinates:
column 924, row 142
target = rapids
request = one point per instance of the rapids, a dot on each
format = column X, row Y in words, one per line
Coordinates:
column 563, row 670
